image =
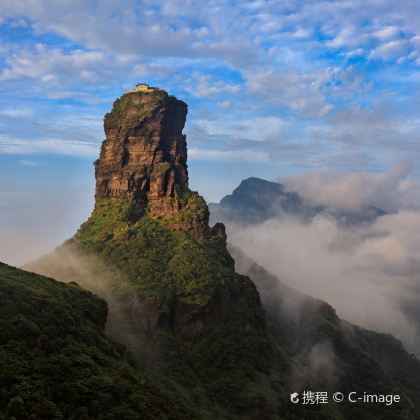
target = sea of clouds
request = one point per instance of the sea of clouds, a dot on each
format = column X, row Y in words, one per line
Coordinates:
column 369, row 272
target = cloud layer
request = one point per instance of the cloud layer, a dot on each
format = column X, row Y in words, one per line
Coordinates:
column 338, row 79
column 271, row 86
column 390, row 191
column 369, row 273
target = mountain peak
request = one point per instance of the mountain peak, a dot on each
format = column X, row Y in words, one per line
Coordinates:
column 177, row 302
column 144, row 155
column 253, row 183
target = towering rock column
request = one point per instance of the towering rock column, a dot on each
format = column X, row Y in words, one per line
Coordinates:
column 144, row 155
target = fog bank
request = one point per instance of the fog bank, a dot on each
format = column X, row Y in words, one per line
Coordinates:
column 370, row 273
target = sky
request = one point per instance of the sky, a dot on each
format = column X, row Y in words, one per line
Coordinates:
column 274, row 89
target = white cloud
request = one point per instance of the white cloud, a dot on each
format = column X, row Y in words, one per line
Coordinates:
column 389, row 191
column 26, row 162
column 55, row 66
column 298, row 92
column 225, row 104
column 302, row 33
column 16, row 112
column 204, row 86
column 369, row 275
column 257, row 129
column 227, row 155
column 387, row 32
column 415, row 41
column 48, row 146
column 390, row 50
column 349, row 36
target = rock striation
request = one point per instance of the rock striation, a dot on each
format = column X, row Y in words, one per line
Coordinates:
column 144, row 155
column 143, row 159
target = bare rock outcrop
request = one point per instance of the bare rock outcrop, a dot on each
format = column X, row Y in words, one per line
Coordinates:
column 144, row 154
column 144, row 158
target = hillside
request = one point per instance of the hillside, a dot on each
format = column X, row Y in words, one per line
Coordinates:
column 330, row 352
column 56, row 362
column 176, row 301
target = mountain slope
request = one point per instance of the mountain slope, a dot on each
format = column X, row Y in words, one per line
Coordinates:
column 175, row 299
column 174, row 296
column 332, row 353
column 55, row 361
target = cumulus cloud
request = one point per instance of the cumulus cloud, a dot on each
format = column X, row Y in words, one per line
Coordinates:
column 62, row 132
column 301, row 93
column 369, row 273
column 48, row 145
column 52, row 66
column 268, row 81
column 389, row 191
column 258, row 58
column 387, row 32
column 205, row 86
column 390, row 50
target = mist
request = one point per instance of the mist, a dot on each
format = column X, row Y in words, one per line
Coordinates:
column 67, row 264
column 391, row 191
column 42, row 205
column 369, row 272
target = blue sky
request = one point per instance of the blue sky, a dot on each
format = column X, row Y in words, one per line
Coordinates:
column 273, row 88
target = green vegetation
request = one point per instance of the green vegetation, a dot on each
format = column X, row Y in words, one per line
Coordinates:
column 160, row 263
column 194, row 212
column 127, row 108
column 212, row 340
column 201, row 345
column 111, row 219
column 198, row 328
column 327, row 353
column 56, row 363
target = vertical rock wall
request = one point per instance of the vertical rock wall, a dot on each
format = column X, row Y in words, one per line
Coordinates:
column 144, row 155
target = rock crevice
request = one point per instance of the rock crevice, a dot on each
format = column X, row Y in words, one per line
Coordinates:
column 144, row 155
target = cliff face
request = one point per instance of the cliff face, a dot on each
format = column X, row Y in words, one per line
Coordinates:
column 176, row 301
column 146, row 221
column 144, row 157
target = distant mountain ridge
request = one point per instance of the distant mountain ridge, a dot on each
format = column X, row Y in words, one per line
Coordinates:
column 189, row 319
column 256, row 200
